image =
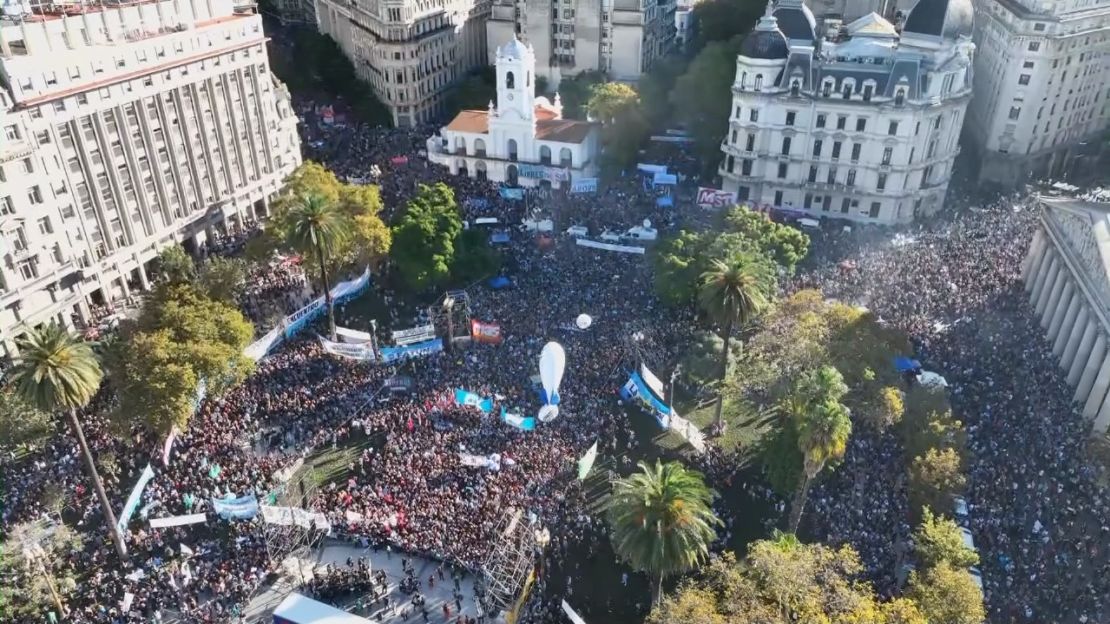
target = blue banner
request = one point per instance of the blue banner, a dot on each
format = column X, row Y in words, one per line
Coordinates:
column 242, row 508
column 134, row 499
column 471, row 399
column 415, row 350
column 636, row 388
column 518, row 420
column 344, row 291
column 584, row 185
column 512, row 193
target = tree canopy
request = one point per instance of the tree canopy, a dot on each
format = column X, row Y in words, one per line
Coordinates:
column 938, row 540
column 575, row 93
column 22, row 425
column 947, row 595
column 722, row 20
column 425, row 237
column 702, row 98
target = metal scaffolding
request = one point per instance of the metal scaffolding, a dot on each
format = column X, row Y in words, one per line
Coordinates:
column 508, row 566
column 451, row 315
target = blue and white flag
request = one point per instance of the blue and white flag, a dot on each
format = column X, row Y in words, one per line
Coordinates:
column 518, row 420
column 471, row 399
column 241, row 508
column 512, row 193
column 415, row 350
column 134, row 499
column 584, row 185
column 637, row 388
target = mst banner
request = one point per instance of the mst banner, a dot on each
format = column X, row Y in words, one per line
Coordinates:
column 715, row 198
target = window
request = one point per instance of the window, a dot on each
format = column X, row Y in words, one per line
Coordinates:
column 867, row 91
column 1034, row 46
column 846, row 90
column 44, row 226
column 510, row 80
column 861, row 125
column 807, row 203
column 27, row 269
column 758, row 82
column 892, row 129
column 1015, row 112
column 875, row 208
column 1038, row 27
column 1024, row 79
column 888, row 153
column 882, row 182
column 42, row 137
column 817, row 148
column 778, row 198
column 856, row 148
column 813, row 173
column 826, row 203
column 795, row 88
column 836, row 149
column 7, row 206
column 59, row 106
column 786, row 146
column 753, row 115
column 841, row 122
column 851, row 180
column 826, row 89
column 751, row 143
column 831, row 179
column 1027, row 65
column 790, row 115
column 11, row 133
column 746, row 167
column 28, row 165
column 783, row 170
column 821, row 121
column 845, row 204
column 34, row 195
column 899, row 97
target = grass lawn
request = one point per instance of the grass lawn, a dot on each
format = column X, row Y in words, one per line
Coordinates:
column 741, row 435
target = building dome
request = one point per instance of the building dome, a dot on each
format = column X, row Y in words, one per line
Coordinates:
column 796, row 21
column 514, row 49
column 948, row 19
column 766, row 41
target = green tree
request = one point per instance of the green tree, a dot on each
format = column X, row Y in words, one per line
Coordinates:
column 575, row 93
column 947, row 595
column 610, row 100
column 474, row 92
column 938, row 540
column 733, row 292
column 723, row 20
column 702, row 99
column 785, row 244
column 222, row 279
column 22, row 426
column 425, row 237
column 57, row 372
column 315, row 225
column 661, row 520
column 35, row 570
column 175, row 266
column 935, row 477
column 474, row 258
column 823, row 427
column 678, row 264
column 624, row 128
column 152, row 380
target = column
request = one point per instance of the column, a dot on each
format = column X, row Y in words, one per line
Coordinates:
column 1083, row 348
column 1043, row 271
column 1033, row 259
column 1091, row 366
column 144, row 281
column 1054, row 298
column 1049, row 290
column 1074, row 335
column 1098, row 390
column 1102, row 422
column 1067, row 322
column 1056, row 311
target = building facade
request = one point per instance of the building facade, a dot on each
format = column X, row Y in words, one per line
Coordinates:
column 621, row 38
column 523, row 140
column 864, row 126
column 1042, row 87
column 411, row 52
column 1065, row 274
column 127, row 129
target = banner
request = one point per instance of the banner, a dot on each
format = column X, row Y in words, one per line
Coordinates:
column 586, row 463
column 168, row 446
column 342, row 292
column 172, row 521
column 471, row 399
column 242, row 508
column 652, row 381
column 541, row 172
column 637, row 388
column 491, row 462
column 352, row 336
column 399, row 160
column 416, row 334
column 715, row 198
column 515, row 194
column 664, row 179
column 584, row 185
column 363, row 351
column 518, row 420
column 488, row 333
column 134, row 499
column 650, row 168
column 476, row 202
column 609, row 246
column 572, row 615
column 419, row 349
column 294, row 516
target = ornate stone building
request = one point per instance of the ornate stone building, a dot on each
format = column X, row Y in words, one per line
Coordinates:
column 1067, row 276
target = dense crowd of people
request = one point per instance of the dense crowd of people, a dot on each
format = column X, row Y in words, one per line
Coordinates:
column 953, row 285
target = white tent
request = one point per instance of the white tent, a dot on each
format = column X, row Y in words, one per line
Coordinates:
column 298, row 609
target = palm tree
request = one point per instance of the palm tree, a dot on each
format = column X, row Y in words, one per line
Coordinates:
column 57, row 372
column 661, row 520
column 823, row 433
column 734, row 291
column 316, row 224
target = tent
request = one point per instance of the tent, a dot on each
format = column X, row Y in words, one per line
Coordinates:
column 904, row 364
column 499, row 282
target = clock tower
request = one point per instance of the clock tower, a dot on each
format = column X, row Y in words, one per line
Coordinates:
column 516, row 73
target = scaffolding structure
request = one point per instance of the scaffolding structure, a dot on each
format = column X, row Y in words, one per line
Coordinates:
column 283, row 540
column 451, row 315
column 508, row 567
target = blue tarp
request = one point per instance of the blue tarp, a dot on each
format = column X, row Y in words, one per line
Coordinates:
column 499, row 282
column 499, row 237
column 665, row 201
column 903, row 364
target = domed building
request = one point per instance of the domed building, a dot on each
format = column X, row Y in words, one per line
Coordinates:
column 862, row 124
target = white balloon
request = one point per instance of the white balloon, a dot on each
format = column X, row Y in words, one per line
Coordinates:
column 552, row 362
column 583, row 321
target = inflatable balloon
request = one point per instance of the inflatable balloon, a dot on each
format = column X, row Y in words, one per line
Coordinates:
column 583, row 321
column 552, row 362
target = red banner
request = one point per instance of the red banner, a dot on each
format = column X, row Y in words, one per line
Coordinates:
column 489, row 333
column 399, row 160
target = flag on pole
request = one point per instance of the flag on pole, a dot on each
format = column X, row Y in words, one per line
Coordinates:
column 586, row 463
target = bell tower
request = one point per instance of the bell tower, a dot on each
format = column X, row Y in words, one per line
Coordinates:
column 516, row 73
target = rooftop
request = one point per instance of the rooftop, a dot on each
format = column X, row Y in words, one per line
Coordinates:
column 547, row 129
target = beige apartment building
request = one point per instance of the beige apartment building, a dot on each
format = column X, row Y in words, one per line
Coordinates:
column 127, row 127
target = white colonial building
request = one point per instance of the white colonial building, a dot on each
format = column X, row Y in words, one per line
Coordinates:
column 1067, row 277
column 863, row 126
column 127, row 128
column 523, row 139
column 1042, row 87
